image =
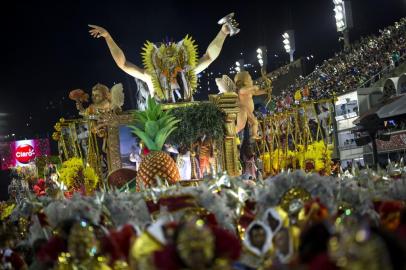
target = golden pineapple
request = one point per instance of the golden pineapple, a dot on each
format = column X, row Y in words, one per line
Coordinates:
column 153, row 126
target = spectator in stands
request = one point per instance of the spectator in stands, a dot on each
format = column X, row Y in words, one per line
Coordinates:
column 362, row 65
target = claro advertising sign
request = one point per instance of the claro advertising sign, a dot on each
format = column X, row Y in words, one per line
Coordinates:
column 22, row 153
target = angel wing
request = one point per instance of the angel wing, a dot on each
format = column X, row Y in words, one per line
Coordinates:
column 117, row 97
column 226, row 84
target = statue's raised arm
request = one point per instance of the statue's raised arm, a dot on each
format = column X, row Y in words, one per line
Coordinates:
column 229, row 27
column 170, row 67
column 118, row 55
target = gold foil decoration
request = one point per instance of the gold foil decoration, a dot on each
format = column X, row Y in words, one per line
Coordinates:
column 294, row 198
column 194, row 238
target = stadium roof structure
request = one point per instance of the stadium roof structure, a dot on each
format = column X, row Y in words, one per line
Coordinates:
column 374, row 118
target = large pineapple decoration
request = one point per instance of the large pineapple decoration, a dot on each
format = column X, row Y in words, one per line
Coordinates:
column 153, row 126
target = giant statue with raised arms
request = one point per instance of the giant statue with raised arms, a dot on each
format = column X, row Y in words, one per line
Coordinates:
column 170, row 68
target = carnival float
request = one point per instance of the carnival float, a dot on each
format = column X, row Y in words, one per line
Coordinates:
column 199, row 185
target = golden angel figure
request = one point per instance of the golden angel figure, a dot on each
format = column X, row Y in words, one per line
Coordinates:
column 246, row 90
column 103, row 99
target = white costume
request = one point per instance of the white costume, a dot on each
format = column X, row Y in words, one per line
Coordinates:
column 184, row 164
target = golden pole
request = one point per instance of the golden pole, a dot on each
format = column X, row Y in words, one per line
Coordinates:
column 193, row 162
column 228, row 103
column 318, row 122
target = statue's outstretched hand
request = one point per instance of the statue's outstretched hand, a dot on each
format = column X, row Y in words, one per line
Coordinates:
column 225, row 29
column 97, row 31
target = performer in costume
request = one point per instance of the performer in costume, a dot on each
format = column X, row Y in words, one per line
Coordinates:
column 199, row 246
column 170, row 65
column 184, row 163
column 135, row 155
column 276, row 218
column 9, row 259
column 153, row 239
column 256, row 245
column 205, row 152
column 248, row 157
column 285, row 237
column 283, row 246
column 82, row 248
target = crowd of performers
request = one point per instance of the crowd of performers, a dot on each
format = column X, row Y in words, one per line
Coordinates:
column 290, row 221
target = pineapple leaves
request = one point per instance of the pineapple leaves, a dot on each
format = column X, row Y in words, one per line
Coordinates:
column 165, row 120
column 164, row 133
column 151, row 103
column 145, row 138
column 141, row 116
column 140, row 119
column 151, row 128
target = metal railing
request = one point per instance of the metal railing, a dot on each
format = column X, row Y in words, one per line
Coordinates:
column 348, row 146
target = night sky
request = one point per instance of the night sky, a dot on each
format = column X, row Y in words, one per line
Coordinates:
column 47, row 51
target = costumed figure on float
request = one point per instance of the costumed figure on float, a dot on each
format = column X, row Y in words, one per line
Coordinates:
column 170, row 68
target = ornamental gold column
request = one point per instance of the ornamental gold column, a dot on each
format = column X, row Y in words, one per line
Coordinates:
column 228, row 103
